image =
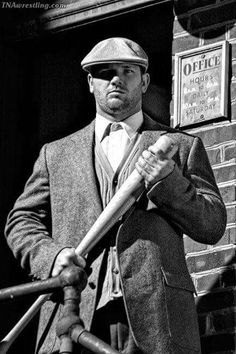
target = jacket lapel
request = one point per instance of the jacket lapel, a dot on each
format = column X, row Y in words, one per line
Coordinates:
column 84, row 146
column 150, row 133
column 84, row 156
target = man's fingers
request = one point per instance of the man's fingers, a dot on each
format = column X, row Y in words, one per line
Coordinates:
column 160, row 154
column 65, row 258
column 149, row 157
column 154, row 168
column 57, row 269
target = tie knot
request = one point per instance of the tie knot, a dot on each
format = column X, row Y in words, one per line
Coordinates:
column 115, row 126
column 111, row 127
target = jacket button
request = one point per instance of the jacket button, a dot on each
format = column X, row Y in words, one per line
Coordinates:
column 116, row 270
column 92, row 285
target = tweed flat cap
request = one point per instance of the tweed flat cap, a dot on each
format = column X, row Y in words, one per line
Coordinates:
column 115, row 50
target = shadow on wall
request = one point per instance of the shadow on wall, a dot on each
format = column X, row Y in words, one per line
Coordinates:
column 212, row 20
column 196, row 14
column 215, row 303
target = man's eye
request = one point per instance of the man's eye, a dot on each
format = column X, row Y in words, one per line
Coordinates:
column 129, row 71
column 105, row 74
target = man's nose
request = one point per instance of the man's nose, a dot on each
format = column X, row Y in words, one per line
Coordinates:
column 116, row 79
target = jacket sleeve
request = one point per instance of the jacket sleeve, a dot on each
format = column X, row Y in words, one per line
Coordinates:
column 190, row 199
column 28, row 227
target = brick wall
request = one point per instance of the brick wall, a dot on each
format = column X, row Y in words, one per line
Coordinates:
column 198, row 23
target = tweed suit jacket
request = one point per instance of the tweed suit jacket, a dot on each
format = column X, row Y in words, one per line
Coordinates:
column 61, row 202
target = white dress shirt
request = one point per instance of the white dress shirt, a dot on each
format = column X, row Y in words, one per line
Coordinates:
column 115, row 137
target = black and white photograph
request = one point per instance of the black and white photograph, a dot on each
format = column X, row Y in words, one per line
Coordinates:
column 118, row 178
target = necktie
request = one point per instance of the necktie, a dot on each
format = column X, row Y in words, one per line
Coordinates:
column 118, row 141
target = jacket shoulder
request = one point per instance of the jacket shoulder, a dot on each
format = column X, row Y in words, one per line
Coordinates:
column 180, row 137
column 67, row 143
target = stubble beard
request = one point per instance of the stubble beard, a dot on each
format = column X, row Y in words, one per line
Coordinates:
column 119, row 107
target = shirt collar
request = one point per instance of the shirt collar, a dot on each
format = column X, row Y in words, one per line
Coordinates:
column 130, row 124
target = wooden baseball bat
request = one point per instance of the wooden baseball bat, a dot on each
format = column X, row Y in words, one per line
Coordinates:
column 119, row 204
column 122, row 200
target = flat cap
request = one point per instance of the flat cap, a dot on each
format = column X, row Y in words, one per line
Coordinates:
column 115, row 50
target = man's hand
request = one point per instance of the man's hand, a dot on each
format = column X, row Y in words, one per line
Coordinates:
column 153, row 167
column 65, row 258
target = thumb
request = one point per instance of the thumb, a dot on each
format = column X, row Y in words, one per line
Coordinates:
column 159, row 154
column 79, row 261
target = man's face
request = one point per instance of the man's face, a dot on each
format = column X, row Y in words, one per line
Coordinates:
column 118, row 89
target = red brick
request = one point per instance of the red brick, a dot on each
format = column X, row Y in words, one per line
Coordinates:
column 213, row 16
column 184, row 43
column 172, row 112
column 233, row 111
column 233, row 90
column 218, row 135
column 229, row 237
column 225, row 278
column 232, row 234
column 233, row 49
column 234, row 68
column 193, row 246
column 225, row 240
column 231, row 214
column 233, row 32
column 225, row 173
column 214, row 156
column 230, row 152
column 224, row 319
column 218, row 258
column 228, row 193
column 207, row 282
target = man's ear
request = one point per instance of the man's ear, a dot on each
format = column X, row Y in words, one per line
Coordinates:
column 90, row 82
column 145, row 82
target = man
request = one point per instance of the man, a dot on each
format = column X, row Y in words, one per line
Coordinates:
column 139, row 296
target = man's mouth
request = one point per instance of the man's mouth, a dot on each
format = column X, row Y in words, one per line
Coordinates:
column 116, row 91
